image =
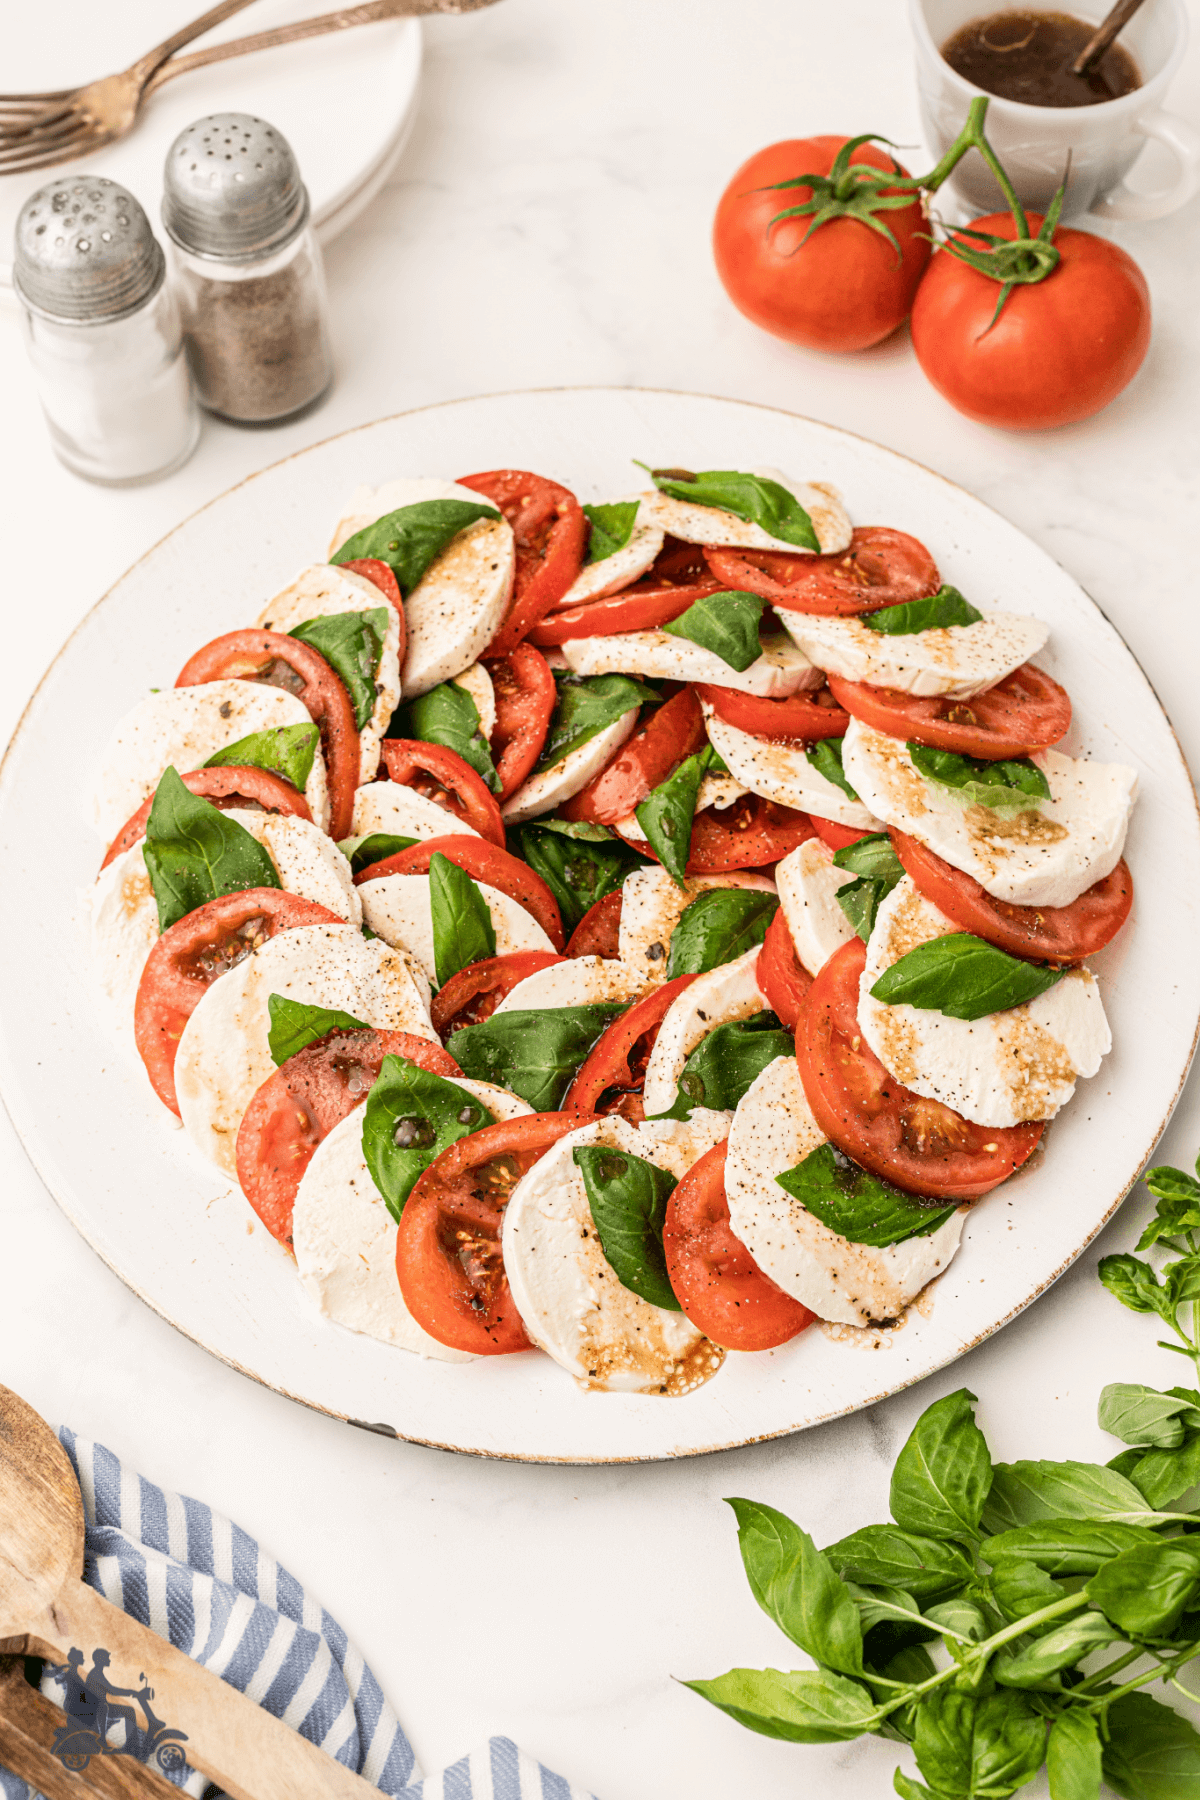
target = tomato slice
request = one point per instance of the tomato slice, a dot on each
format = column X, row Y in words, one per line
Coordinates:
column 835, row 835
column 747, row 835
column 598, row 932
column 550, row 529
column 882, row 567
column 443, row 777
column 1053, row 934
column 803, row 717
column 674, row 732
column 301, row 1102
column 476, row 991
column 678, row 576
column 781, row 975
column 483, row 862
column 716, row 1280
column 618, row 1058
column 258, row 790
column 189, row 957
column 1026, row 711
column 916, row 1144
column 448, row 1257
column 284, row 662
column 525, row 700
column 380, row 576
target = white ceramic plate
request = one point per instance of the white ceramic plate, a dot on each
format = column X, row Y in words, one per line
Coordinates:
column 163, row 1218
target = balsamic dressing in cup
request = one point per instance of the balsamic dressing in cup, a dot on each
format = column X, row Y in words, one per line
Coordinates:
column 1027, row 56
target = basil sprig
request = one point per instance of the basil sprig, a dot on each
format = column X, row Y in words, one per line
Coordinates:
column 363, row 851
column 725, row 623
column 1014, row 781
column 586, row 705
column 580, row 863
column 295, row 1024
column 628, row 1197
column 934, row 613
column 755, row 498
column 448, row 715
column 826, row 758
column 963, row 977
column 409, row 539
column 462, row 925
column 878, row 869
column 287, row 750
column 410, row 1117
column 666, row 814
column 352, row 644
column 725, row 1065
column 857, row 1205
column 612, row 528
column 194, row 853
column 535, row 1054
column 719, row 925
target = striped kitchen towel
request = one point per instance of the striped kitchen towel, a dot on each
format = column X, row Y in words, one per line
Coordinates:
column 198, row 1580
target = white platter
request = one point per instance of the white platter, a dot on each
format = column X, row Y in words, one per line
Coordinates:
column 163, row 1218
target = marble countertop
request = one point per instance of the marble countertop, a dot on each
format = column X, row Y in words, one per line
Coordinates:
column 549, row 225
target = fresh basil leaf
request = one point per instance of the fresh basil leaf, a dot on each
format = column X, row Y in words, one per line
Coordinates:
column 1161, row 1476
column 1073, row 1756
column 410, row 1117
column 878, row 1605
column 612, row 528
column 582, row 829
column 911, row 1664
column 726, row 1064
column 409, row 539
column 1013, row 782
column 962, row 1618
column 1065, row 1546
column 666, row 814
column 946, row 607
column 578, row 867
column 826, row 758
column 885, row 1556
column 858, row 1206
column 1145, row 1591
column 1135, row 1284
column 195, row 853
column 871, row 856
column 1142, row 1415
column 1035, row 1662
column 725, row 623
column 942, row 1475
column 988, row 1746
column 586, row 705
column 463, row 932
column 352, row 644
column 719, row 925
column 534, row 1054
column 295, row 1024
column 963, row 977
column 903, row 1784
column 802, row 1707
column 287, row 750
column 364, row 851
column 755, row 498
column 1026, row 1493
column 1151, row 1752
column 448, row 715
column 860, row 901
column 628, row 1197
column 798, row 1587
column 1178, row 1209
column 1019, row 1587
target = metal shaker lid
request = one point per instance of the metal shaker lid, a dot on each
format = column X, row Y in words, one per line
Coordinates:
column 232, row 188
column 84, row 250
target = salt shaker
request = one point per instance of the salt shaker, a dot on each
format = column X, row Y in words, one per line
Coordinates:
column 247, row 270
column 103, row 335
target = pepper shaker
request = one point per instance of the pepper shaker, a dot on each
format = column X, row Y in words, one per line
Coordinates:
column 247, row 270
column 103, row 334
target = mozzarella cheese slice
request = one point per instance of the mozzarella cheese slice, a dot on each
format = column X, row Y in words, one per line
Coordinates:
column 391, row 807
column 782, row 772
column 1001, row 1070
column 324, row 589
column 481, row 688
column 455, row 609
column 719, row 997
column 344, row 1236
column 544, row 791
column 619, row 570
column 710, row 525
column 1046, row 855
column 958, row 660
column 718, row 791
column 808, row 886
column 652, row 905
column 181, row 728
column 782, row 669
column 396, row 908
column 849, row 1284
column 579, row 981
column 224, row 1056
column 567, row 1293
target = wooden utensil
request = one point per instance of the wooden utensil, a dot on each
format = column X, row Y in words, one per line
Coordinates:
column 28, row 1726
column 45, row 1609
column 1103, row 36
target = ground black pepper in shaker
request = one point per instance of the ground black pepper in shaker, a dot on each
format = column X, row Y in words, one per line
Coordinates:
column 247, row 270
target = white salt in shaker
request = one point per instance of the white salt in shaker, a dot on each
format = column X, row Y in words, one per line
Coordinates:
column 103, row 333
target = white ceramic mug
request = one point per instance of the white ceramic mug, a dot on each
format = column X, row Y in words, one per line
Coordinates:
column 1033, row 142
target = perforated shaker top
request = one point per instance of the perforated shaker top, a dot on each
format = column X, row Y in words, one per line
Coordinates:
column 232, row 188
column 84, row 249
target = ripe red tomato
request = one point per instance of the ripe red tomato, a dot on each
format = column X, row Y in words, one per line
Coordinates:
column 550, row 528
column 618, row 1058
column 847, row 288
column 1061, row 349
column 674, row 732
column 224, row 787
column 598, row 933
column 881, row 568
column 781, row 975
column 1026, row 711
column 525, row 699
column 482, row 861
column 804, row 716
column 473, row 995
column 443, row 777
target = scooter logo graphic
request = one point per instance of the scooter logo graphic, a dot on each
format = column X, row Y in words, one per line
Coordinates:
column 93, row 1713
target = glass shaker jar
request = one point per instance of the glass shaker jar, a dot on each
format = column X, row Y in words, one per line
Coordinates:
column 247, row 270
column 102, row 331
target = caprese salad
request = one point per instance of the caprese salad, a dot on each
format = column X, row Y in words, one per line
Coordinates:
column 630, row 930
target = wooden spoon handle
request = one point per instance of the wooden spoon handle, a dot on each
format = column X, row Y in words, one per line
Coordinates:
column 245, row 1750
column 28, row 1725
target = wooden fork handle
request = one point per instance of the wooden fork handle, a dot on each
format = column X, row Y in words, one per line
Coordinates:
column 28, row 1724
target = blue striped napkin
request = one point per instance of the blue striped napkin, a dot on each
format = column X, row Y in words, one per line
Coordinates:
column 200, row 1581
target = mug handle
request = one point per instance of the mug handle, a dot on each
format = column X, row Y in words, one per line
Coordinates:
column 1184, row 144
